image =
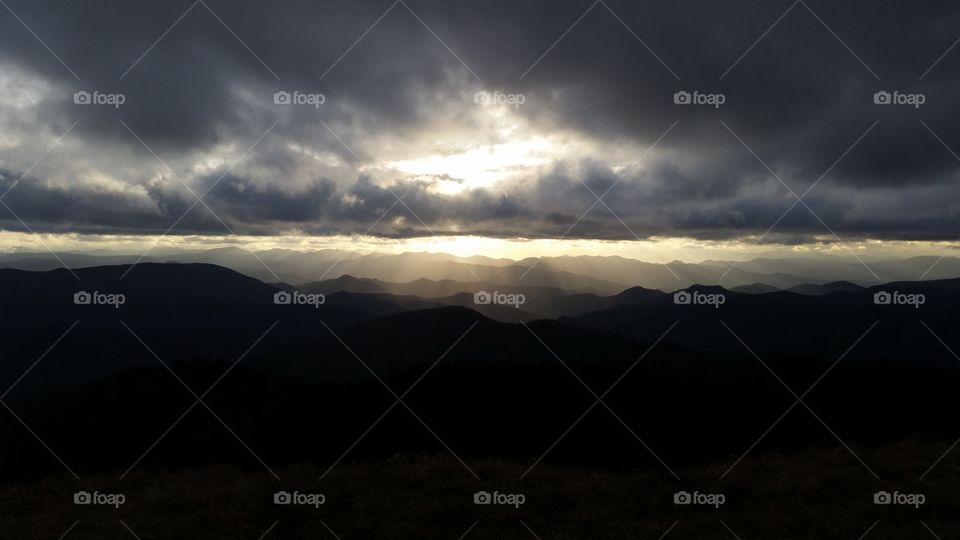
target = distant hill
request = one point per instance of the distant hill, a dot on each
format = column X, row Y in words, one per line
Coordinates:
column 424, row 288
column 796, row 324
column 179, row 310
column 826, row 288
column 205, row 311
column 755, row 288
column 604, row 275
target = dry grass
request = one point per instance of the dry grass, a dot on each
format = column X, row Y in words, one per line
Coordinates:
column 813, row 494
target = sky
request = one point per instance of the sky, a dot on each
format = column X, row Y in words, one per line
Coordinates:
column 685, row 129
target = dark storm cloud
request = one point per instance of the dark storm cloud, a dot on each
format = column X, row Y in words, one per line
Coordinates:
column 799, row 98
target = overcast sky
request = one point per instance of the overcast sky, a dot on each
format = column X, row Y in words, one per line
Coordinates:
column 497, row 118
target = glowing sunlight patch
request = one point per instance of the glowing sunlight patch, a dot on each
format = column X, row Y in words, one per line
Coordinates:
column 478, row 167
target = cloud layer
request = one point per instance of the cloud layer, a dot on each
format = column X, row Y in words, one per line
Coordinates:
column 577, row 101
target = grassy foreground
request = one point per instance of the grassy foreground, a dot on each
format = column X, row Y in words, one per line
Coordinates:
column 822, row 493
